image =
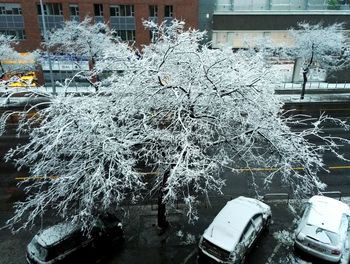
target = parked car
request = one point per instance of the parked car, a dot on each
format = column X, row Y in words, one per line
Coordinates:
column 20, row 79
column 234, row 230
column 323, row 229
column 67, row 243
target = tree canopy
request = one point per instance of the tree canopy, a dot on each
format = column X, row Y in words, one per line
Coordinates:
column 181, row 109
column 319, row 46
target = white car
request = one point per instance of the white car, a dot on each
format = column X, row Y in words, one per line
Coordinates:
column 322, row 230
column 234, row 230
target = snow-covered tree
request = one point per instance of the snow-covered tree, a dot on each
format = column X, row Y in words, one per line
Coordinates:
column 324, row 46
column 182, row 110
column 83, row 39
column 7, row 51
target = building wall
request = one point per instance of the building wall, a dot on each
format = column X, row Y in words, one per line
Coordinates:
column 239, row 23
column 241, row 30
column 186, row 10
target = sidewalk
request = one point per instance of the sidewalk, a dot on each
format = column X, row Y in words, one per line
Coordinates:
column 314, row 92
column 288, row 92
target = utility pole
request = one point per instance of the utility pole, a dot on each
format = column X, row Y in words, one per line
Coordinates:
column 48, row 53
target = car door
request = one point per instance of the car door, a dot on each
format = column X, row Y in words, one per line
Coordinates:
column 248, row 235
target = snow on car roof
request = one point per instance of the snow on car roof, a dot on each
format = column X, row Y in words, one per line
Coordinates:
column 327, row 212
column 54, row 234
column 227, row 227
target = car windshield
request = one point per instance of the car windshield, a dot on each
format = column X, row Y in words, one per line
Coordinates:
column 332, row 237
column 42, row 252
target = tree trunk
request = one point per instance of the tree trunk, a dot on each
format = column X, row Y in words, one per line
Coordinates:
column 162, row 220
column 96, row 78
column 305, row 72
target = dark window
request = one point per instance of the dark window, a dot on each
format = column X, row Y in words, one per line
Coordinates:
column 126, row 35
column 115, row 10
column 122, row 10
column 98, row 8
column 258, row 221
column 168, row 11
column 153, row 11
column 10, row 9
column 16, row 33
column 51, row 9
column 74, row 10
column 247, row 232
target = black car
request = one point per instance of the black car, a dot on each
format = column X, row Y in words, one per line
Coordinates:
column 66, row 243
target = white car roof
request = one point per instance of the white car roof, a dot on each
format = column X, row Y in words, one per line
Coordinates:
column 54, row 234
column 327, row 212
column 227, row 227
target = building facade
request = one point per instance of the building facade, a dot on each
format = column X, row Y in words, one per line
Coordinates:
column 23, row 18
column 236, row 22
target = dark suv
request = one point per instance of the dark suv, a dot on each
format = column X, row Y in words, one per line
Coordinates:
column 66, row 243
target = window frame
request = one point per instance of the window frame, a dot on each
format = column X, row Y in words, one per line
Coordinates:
column 126, row 35
column 19, row 34
column 9, row 9
column 116, row 10
column 76, row 9
column 122, row 10
column 51, row 9
column 153, row 10
column 99, row 8
column 169, row 11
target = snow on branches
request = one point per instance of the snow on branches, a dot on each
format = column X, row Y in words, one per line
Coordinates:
column 7, row 52
column 318, row 46
column 180, row 109
column 91, row 41
column 325, row 45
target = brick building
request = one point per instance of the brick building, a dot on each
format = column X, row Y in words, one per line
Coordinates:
column 22, row 18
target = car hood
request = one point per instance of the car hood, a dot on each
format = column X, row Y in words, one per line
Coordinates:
column 221, row 236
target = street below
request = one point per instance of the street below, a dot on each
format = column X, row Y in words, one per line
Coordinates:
column 179, row 245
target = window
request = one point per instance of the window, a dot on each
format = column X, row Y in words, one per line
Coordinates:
column 122, row 10
column 98, row 9
column 10, row 9
column 115, row 10
column 16, row 33
column 51, row 9
column 126, row 35
column 258, row 221
column 247, row 233
column 168, row 11
column 74, row 10
column 153, row 11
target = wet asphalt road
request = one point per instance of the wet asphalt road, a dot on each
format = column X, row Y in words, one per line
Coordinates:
column 136, row 250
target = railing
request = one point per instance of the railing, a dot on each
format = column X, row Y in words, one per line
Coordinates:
column 276, row 196
column 317, row 85
column 281, row 5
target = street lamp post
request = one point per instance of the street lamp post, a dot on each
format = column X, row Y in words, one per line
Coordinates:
column 48, row 53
